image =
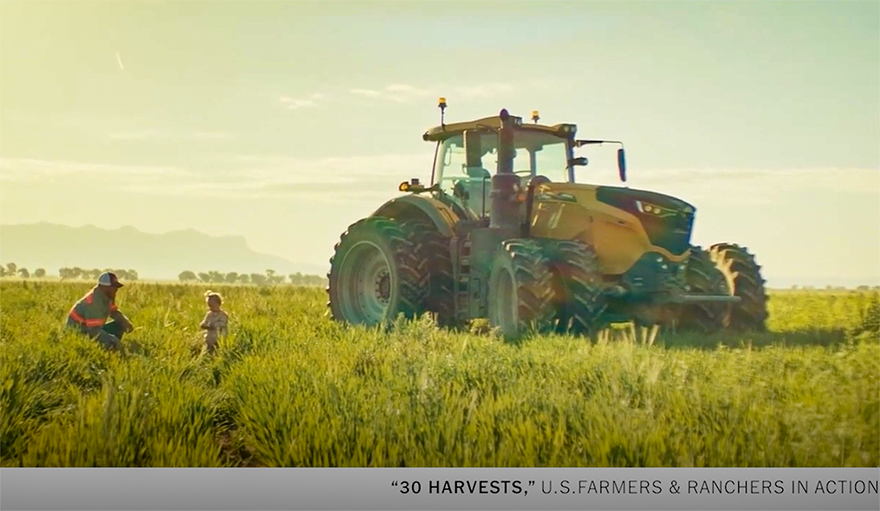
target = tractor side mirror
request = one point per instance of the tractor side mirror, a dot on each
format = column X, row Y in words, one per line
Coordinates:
column 621, row 164
column 578, row 162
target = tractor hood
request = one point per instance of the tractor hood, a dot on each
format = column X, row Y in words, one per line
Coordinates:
column 668, row 221
column 629, row 198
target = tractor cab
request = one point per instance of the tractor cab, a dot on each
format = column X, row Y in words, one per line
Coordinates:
column 466, row 161
column 467, row 156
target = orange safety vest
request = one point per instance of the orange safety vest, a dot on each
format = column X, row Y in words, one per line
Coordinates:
column 92, row 310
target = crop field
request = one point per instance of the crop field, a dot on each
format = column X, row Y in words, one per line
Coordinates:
column 291, row 388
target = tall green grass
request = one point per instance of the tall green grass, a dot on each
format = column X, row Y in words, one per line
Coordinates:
column 291, row 388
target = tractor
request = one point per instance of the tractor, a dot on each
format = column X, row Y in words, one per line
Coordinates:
column 529, row 249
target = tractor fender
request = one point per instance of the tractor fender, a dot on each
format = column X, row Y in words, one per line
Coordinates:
column 416, row 207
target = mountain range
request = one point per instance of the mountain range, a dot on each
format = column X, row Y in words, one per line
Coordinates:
column 153, row 256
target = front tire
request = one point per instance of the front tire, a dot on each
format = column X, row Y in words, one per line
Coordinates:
column 703, row 277
column 520, row 290
column 577, row 278
column 374, row 274
column 743, row 277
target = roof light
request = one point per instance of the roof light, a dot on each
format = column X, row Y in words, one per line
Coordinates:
column 442, row 104
column 535, row 116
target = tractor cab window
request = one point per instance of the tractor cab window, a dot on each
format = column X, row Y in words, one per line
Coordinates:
column 535, row 153
column 468, row 186
column 551, row 159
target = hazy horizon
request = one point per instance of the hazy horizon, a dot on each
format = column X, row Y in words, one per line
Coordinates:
column 284, row 122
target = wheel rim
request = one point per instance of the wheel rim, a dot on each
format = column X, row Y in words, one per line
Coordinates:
column 504, row 303
column 365, row 278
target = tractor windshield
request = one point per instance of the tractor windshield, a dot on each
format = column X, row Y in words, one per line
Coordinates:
column 536, row 153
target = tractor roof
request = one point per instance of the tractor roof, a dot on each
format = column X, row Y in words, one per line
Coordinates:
column 438, row 133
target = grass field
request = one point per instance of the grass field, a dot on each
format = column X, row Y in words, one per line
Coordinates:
column 291, row 388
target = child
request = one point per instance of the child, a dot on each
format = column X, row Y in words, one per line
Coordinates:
column 216, row 320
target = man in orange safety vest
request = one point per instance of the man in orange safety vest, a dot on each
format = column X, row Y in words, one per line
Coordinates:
column 89, row 315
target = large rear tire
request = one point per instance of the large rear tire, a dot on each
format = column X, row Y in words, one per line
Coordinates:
column 579, row 300
column 703, row 277
column 374, row 274
column 520, row 290
column 433, row 252
column 743, row 276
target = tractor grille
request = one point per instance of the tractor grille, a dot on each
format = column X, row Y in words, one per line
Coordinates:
column 670, row 232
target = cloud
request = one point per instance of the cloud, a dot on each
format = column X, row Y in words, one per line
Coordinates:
column 310, row 101
column 404, row 92
column 353, row 178
column 482, row 91
column 209, row 135
column 369, row 179
column 119, row 60
column 748, row 186
column 765, row 181
column 406, row 89
column 366, row 92
column 374, row 178
column 162, row 134
column 138, row 135
column 29, row 169
column 372, row 191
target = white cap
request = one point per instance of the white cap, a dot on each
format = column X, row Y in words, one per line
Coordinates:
column 109, row 279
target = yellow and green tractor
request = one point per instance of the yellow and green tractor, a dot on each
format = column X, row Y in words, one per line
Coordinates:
column 504, row 232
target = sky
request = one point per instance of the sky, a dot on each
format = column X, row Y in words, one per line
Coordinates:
column 285, row 122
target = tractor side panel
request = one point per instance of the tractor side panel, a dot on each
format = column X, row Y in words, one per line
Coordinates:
column 565, row 211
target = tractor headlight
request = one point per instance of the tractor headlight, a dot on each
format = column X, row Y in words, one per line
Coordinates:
column 653, row 209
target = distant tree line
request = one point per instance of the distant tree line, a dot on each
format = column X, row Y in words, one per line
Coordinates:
column 211, row 277
column 93, row 274
column 829, row 287
column 12, row 270
column 270, row 277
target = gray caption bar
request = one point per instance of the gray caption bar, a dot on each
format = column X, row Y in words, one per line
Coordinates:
column 439, row 488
